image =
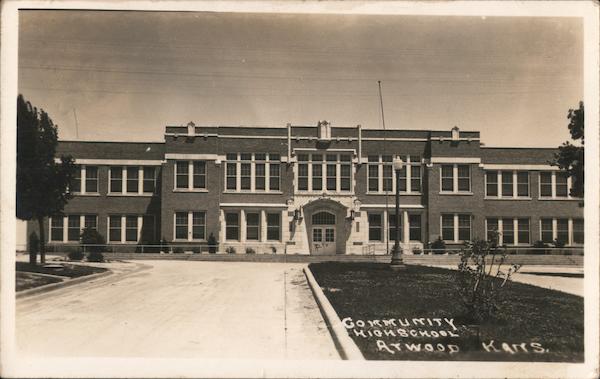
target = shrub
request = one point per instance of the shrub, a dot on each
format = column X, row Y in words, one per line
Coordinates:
column 212, row 244
column 230, row 250
column 91, row 237
column 178, row 250
column 75, row 255
column 95, row 256
column 273, row 250
column 196, row 250
column 250, row 250
column 479, row 283
column 540, row 245
column 558, row 243
column 417, row 251
column 438, row 246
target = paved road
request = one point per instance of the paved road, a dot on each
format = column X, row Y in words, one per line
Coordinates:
column 181, row 309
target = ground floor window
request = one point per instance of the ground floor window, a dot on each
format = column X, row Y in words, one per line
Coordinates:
column 510, row 231
column 273, row 226
column 127, row 228
column 456, row 227
column 252, row 226
column 566, row 230
column 232, row 226
column 375, row 227
column 56, row 229
column 74, row 225
column 414, row 222
column 190, row 225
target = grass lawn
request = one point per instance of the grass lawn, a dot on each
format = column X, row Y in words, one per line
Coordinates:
column 27, row 280
column 402, row 315
column 67, row 270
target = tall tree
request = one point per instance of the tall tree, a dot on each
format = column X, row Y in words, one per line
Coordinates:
column 42, row 183
column 569, row 157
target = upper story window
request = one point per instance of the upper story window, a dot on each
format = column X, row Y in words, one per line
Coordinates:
column 190, row 175
column 507, row 184
column 381, row 178
column 455, row 178
column 555, row 184
column 86, row 180
column 254, row 172
column 132, row 180
column 330, row 172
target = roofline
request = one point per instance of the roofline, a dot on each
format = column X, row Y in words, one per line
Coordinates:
column 519, row 147
column 131, row 142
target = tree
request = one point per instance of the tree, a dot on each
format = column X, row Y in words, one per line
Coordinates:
column 42, row 183
column 569, row 157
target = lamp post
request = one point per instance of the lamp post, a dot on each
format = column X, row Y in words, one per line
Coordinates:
column 397, row 262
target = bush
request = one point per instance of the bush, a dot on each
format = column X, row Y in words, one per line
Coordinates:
column 558, row 243
column 417, row 251
column 75, row 255
column 438, row 246
column 91, row 236
column 196, row 250
column 250, row 250
column 478, row 282
column 212, row 244
column 273, row 250
column 178, row 250
column 540, row 245
column 95, row 256
column 230, row 250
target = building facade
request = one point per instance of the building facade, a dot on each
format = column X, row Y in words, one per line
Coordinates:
column 314, row 190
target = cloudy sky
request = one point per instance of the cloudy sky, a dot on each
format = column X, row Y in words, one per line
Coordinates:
column 125, row 75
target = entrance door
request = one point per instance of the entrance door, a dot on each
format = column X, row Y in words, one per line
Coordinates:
column 323, row 234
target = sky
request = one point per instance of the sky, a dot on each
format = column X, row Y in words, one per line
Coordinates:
column 124, row 76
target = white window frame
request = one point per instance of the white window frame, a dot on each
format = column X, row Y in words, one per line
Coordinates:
column 455, row 179
column 408, row 164
column 515, row 194
column 553, row 181
column 324, row 163
column 65, row 232
column 82, row 178
column 455, row 226
column 515, row 229
column 140, row 221
column 190, row 176
column 190, row 226
column 555, row 229
column 140, row 180
column 238, row 162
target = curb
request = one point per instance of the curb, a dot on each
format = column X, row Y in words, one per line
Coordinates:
column 66, row 283
column 343, row 343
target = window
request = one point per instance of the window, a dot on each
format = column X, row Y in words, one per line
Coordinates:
column 523, row 184
column 252, row 172
column 578, row 231
column 56, row 228
column 303, row 177
column 76, row 183
column 375, row 227
column 73, row 228
column 232, row 226
column 415, row 178
column 252, row 226
column 91, row 179
column 523, row 231
column 547, row 233
column 456, row 178
column 259, row 172
column 507, row 184
column 116, row 179
column 316, row 172
column 323, row 218
column 331, row 176
column 546, row 184
column 273, row 226
column 562, row 230
column 382, row 179
column 392, row 227
column 492, row 227
column 388, row 178
column 132, row 179
column 508, row 232
column 274, row 174
column 149, row 183
column 562, row 188
column 345, row 175
column 198, row 225
column 447, row 178
column 245, row 175
column 114, row 229
column 373, row 173
column 464, row 177
column 402, row 179
column 317, row 175
column 231, row 176
column 131, row 228
column 181, row 225
column 456, row 227
column 491, row 183
column 90, row 222
column 199, row 175
column 414, row 222
column 511, row 231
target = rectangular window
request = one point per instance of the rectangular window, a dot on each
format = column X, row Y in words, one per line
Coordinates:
column 91, row 179
column 522, row 184
column 90, row 222
column 388, row 178
column 373, row 173
column 331, row 177
column 116, row 179
column 448, row 227
column 149, row 184
column 273, row 226
column 76, row 183
column 523, row 231
column 491, row 183
column 274, row 175
column 114, row 229
column 345, row 177
column 56, row 228
column 546, row 230
column 508, row 232
column 181, row 225
column 133, row 174
column 303, row 177
column 392, row 227
column 199, row 180
column 562, row 188
column 73, row 228
column 252, row 226
column 317, row 176
column 131, row 228
column 415, row 178
column 464, row 177
column 507, row 184
column 464, row 227
column 232, row 226
column 245, row 176
column 562, row 230
column 375, row 227
column 578, row 231
column 259, row 176
column 231, row 176
column 546, row 184
column 447, row 178
column 414, row 222
column 492, row 229
column 402, row 179
column 198, row 225
column 182, row 174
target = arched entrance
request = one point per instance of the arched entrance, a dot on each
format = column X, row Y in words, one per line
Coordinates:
column 327, row 228
column 322, row 236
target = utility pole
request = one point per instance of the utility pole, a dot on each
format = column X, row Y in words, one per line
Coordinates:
column 387, row 222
